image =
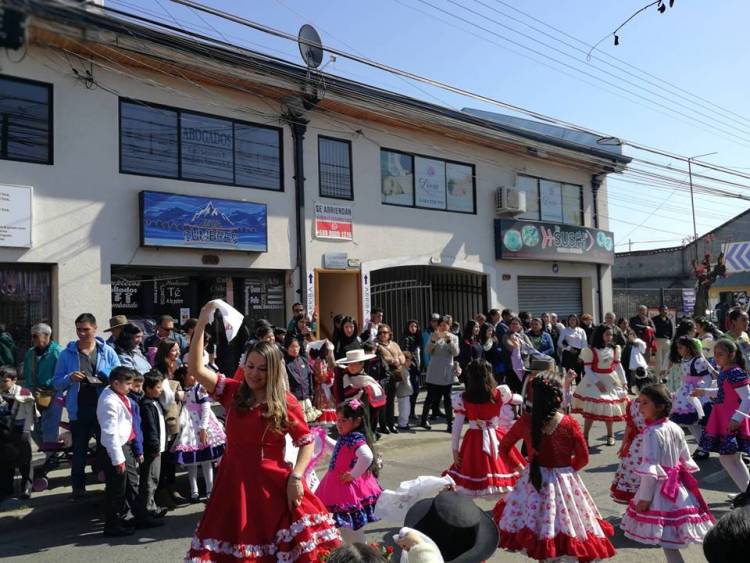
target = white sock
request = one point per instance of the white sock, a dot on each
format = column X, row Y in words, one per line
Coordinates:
column 208, row 476
column 736, row 470
column 192, row 471
column 350, row 536
column 673, row 556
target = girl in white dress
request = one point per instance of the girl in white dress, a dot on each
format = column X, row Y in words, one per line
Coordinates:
column 668, row 510
column 602, row 393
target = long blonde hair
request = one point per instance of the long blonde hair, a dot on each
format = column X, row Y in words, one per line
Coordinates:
column 276, row 407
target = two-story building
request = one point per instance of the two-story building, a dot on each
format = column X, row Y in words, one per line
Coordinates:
column 149, row 170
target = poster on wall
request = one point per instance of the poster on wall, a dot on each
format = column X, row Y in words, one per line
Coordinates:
column 397, row 176
column 15, row 216
column 429, row 183
column 460, row 179
column 550, row 196
column 126, row 295
column 207, row 148
column 183, row 221
column 333, row 221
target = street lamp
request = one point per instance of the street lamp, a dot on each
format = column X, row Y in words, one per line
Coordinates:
column 692, row 201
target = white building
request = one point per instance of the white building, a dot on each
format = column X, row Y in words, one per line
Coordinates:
column 103, row 116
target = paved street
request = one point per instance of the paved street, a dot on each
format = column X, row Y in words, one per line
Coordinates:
column 51, row 529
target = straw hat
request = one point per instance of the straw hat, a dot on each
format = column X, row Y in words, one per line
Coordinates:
column 116, row 322
column 355, row 356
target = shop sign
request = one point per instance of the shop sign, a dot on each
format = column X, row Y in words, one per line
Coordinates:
column 333, row 221
column 534, row 240
column 335, row 260
column 429, row 179
column 171, row 292
column 183, row 221
column 126, row 294
column 15, row 216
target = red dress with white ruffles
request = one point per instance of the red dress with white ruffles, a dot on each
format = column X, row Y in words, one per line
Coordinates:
column 561, row 518
column 483, row 471
column 627, row 480
column 247, row 517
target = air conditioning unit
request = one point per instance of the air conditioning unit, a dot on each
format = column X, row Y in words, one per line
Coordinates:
column 509, row 202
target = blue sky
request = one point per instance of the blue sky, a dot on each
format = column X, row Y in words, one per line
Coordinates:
column 699, row 47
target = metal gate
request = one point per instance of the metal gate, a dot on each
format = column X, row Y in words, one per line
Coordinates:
column 415, row 292
column 537, row 295
column 625, row 301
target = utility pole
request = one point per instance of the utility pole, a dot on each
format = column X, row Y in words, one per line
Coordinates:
column 692, row 199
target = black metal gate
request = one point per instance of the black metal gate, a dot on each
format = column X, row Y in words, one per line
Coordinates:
column 415, row 292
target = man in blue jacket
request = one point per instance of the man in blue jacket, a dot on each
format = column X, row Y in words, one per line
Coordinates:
column 82, row 373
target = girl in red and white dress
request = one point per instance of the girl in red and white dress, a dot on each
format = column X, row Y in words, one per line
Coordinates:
column 602, row 394
column 550, row 514
column 627, row 481
column 261, row 510
column 478, row 468
column 668, row 509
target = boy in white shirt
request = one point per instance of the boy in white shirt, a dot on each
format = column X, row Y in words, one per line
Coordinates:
column 114, row 411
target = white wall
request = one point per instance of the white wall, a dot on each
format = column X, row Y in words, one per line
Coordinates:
column 86, row 212
column 86, row 215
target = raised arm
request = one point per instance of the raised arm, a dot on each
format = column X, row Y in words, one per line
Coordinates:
column 200, row 372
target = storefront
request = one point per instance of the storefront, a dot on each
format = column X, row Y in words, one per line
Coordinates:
column 146, row 294
column 25, row 299
column 556, row 267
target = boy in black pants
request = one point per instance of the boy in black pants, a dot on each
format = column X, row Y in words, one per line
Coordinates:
column 154, row 443
column 114, row 412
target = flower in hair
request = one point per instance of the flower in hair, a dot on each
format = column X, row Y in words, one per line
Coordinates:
column 355, row 404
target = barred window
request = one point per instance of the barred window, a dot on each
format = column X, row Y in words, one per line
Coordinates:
column 335, row 168
column 25, row 120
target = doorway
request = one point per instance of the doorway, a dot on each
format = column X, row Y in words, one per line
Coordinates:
column 339, row 293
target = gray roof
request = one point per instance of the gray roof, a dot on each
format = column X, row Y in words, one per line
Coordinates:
column 611, row 145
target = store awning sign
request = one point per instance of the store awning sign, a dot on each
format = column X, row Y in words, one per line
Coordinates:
column 534, row 240
column 333, row 221
column 185, row 221
column 16, row 216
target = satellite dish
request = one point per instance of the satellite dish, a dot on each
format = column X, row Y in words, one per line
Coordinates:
column 310, row 46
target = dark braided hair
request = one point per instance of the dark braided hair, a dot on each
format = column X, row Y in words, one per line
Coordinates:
column 548, row 396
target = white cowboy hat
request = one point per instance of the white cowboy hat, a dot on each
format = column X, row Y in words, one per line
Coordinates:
column 355, row 356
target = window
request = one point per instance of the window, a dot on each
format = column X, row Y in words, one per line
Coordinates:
column 551, row 201
column 172, row 143
column 426, row 182
column 335, row 168
column 25, row 120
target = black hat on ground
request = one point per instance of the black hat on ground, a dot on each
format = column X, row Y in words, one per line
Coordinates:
column 461, row 530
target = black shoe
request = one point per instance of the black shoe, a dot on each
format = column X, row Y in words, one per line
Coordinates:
column 406, row 428
column 195, row 499
column 26, row 490
column 449, row 428
column 742, row 499
column 377, row 436
column 77, row 494
column 384, row 430
column 160, row 512
column 393, row 430
column 426, row 425
column 149, row 522
column 118, row 531
column 700, row 455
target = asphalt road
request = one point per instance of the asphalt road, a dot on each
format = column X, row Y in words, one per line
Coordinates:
column 49, row 528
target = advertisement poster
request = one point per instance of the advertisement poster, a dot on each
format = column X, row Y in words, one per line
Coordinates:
column 397, row 176
column 15, row 216
column 126, row 295
column 460, row 178
column 550, row 194
column 182, row 221
column 333, row 221
column 534, row 240
column 429, row 182
column 207, row 148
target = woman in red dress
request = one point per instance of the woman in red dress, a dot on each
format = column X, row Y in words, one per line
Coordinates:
column 260, row 510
